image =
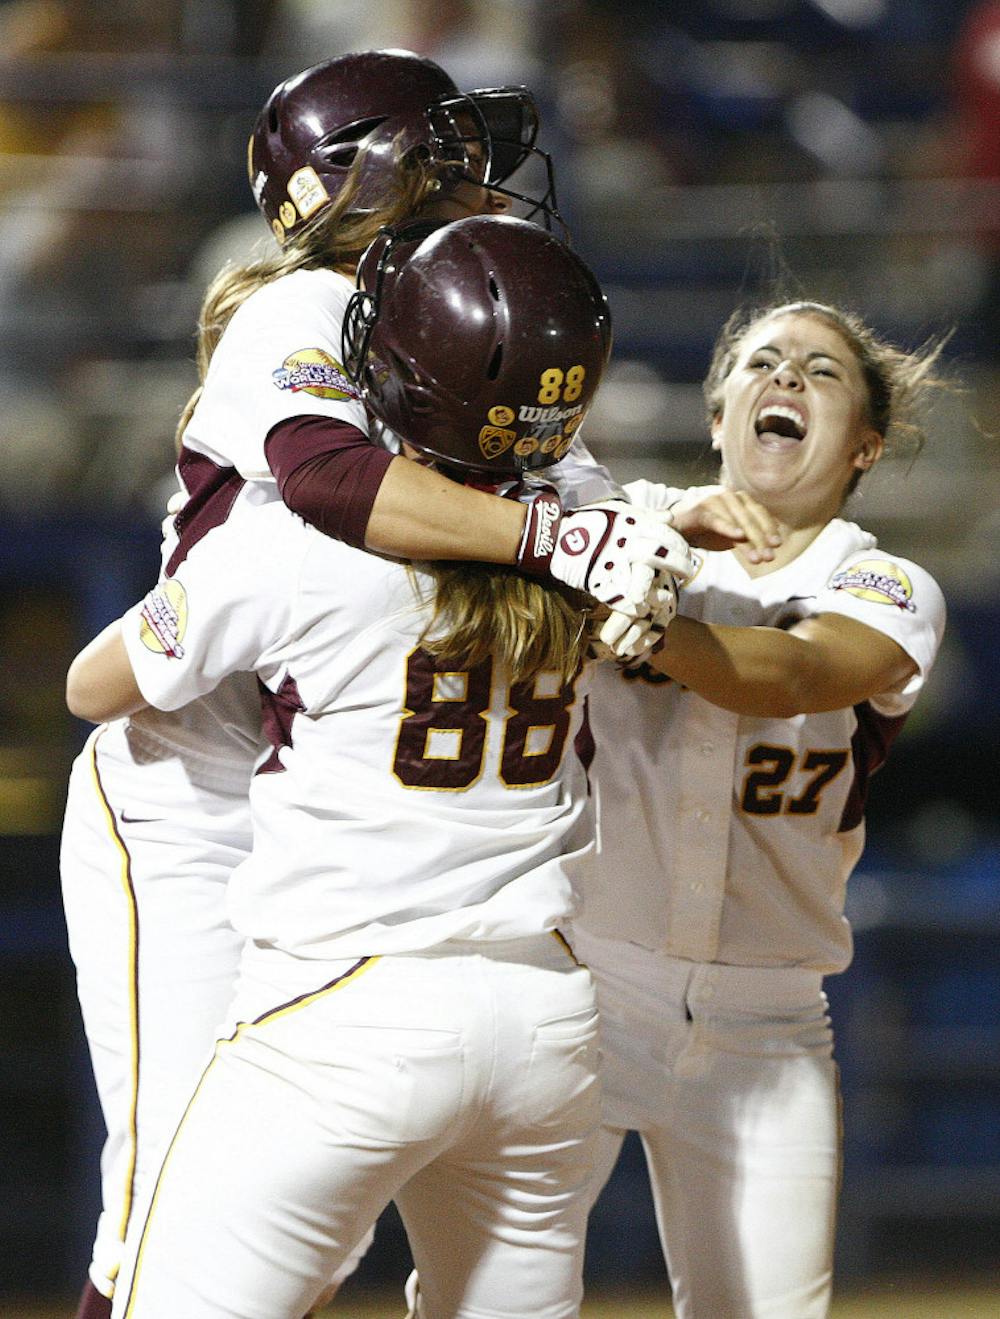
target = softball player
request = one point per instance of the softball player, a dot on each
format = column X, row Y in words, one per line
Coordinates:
column 407, row 1024
column 730, row 776
column 410, row 819
column 338, row 153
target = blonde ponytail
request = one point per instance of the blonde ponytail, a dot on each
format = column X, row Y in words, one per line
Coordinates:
column 482, row 610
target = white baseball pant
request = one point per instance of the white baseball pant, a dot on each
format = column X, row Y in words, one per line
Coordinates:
column 145, row 859
column 727, row 1074
column 462, row 1083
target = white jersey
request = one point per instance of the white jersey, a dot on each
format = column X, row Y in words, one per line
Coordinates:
column 280, row 358
column 211, row 744
column 738, row 834
column 400, row 805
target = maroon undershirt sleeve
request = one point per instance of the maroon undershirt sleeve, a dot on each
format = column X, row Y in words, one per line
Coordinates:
column 328, row 472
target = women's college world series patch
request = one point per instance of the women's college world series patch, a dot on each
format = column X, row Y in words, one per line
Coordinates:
column 877, row 580
column 163, row 619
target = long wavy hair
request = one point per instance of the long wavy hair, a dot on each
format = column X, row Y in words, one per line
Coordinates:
column 483, row 609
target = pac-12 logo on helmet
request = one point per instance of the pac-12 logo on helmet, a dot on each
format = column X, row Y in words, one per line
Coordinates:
column 494, row 440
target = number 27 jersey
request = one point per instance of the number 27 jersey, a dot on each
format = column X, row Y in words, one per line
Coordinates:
column 401, row 803
column 738, row 832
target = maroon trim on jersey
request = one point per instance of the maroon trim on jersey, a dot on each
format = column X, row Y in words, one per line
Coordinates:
column 92, row 1304
column 328, row 472
column 212, row 491
column 278, row 709
column 584, row 744
column 870, row 745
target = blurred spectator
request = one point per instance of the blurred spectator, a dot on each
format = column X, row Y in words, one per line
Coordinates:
column 105, row 190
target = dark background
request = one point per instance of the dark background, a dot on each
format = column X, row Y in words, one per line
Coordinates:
column 849, row 150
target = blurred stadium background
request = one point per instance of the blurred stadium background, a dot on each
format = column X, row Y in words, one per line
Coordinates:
column 848, row 149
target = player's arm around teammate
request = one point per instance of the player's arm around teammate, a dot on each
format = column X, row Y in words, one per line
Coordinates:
column 730, row 775
column 409, row 1025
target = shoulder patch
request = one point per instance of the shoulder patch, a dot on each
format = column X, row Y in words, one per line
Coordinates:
column 878, row 580
column 163, row 620
column 314, row 371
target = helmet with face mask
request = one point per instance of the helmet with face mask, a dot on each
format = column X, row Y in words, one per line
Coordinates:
column 369, row 111
column 480, row 343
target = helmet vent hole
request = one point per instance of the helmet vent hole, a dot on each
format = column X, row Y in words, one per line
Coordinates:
column 272, row 119
column 494, row 290
column 493, row 370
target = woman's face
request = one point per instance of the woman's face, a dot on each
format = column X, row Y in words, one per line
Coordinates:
column 460, row 197
column 794, row 428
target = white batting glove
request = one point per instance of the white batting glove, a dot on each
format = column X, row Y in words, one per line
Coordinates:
column 629, row 639
column 613, row 551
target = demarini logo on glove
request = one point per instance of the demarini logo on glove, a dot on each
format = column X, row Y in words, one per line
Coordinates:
column 163, row 620
column 575, row 541
column 877, row 580
column 314, row 371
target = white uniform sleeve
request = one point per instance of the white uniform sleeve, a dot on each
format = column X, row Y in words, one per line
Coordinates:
column 278, row 358
column 652, row 495
column 893, row 596
column 581, row 479
column 226, row 611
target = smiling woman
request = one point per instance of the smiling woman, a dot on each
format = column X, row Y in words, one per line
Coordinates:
column 730, row 773
column 807, row 344
column 803, row 399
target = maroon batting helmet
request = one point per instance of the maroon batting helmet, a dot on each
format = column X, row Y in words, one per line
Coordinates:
column 482, row 346
column 382, row 105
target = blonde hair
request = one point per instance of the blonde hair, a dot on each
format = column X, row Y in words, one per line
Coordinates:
column 334, row 240
column 899, row 383
column 482, row 610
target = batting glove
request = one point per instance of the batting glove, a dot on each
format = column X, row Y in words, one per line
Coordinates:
column 630, row 640
column 613, row 551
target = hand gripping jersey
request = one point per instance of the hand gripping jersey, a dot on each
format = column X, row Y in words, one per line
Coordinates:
column 738, row 834
column 401, row 802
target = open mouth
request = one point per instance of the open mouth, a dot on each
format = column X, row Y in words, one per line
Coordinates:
column 776, row 423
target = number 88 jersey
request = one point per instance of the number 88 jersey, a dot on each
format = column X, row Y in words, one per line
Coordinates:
column 401, row 802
